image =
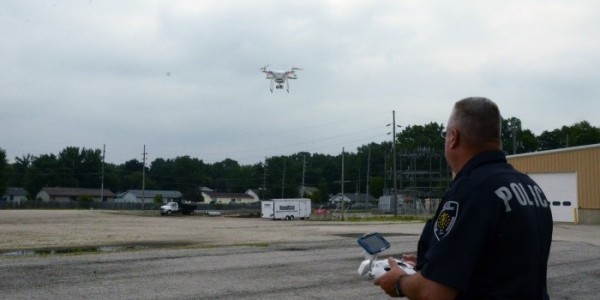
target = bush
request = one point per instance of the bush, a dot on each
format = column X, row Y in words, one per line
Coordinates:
column 85, row 201
column 158, row 200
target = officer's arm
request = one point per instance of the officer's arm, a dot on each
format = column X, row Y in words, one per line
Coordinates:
column 396, row 283
column 418, row 287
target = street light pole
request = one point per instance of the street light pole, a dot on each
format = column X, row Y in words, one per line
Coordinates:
column 394, row 188
column 394, row 151
column 102, row 184
column 342, row 202
column 144, row 176
column 283, row 180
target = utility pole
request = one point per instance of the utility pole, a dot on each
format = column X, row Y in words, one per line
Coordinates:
column 144, row 176
column 102, row 184
column 385, row 173
column 395, row 190
column 264, row 186
column 394, row 148
column 342, row 200
column 342, row 182
column 368, row 168
column 303, row 172
column 513, row 128
column 283, row 180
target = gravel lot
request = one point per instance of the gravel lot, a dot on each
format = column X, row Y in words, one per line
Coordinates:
column 39, row 229
column 199, row 257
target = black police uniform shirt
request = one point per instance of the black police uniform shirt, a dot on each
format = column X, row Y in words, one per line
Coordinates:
column 491, row 235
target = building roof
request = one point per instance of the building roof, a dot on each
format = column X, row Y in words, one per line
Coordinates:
column 308, row 189
column 204, row 189
column 255, row 191
column 68, row 192
column 354, row 197
column 15, row 191
column 568, row 149
column 153, row 193
column 228, row 195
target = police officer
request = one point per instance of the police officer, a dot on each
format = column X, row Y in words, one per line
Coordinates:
column 490, row 237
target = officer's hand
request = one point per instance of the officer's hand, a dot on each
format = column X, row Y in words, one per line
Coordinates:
column 410, row 259
column 387, row 281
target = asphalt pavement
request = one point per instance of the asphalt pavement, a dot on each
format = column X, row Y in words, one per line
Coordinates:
column 287, row 270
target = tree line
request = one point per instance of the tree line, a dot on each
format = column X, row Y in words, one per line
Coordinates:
column 420, row 166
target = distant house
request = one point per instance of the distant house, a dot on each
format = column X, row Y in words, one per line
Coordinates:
column 135, row 196
column 204, row 189
column 226, row 198
column 352, row 198
column 15, row 195
column 254, row 193
column 66, row 195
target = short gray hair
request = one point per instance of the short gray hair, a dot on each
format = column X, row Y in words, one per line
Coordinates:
column 478, row 119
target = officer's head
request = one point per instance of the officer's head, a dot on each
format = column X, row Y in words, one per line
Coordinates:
column 474, row 127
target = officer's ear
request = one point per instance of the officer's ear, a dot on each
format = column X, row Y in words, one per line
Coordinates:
column 453, row 138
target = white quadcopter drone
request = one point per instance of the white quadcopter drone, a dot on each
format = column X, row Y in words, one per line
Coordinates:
column 280, row 77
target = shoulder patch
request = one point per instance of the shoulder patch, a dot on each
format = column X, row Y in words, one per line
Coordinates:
column 445, row 220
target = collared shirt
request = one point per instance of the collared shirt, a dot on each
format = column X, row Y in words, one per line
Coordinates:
column 491, row 235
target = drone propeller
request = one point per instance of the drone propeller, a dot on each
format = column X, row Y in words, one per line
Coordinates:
column 264, row 69
column 296, row 69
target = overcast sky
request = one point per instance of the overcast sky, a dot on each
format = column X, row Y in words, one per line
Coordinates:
column 182, row 77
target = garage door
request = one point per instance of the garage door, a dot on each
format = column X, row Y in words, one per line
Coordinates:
column 561, row 191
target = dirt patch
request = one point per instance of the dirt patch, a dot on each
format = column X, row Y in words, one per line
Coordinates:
column 53, row 229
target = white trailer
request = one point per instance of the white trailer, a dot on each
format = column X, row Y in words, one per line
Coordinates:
column 286, row 209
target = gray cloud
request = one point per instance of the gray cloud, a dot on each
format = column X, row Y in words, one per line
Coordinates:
column 182, row 77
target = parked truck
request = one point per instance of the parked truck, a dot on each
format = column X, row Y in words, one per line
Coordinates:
column 286, row 209
column 175, row 208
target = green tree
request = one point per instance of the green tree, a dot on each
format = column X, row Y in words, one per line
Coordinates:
column 45, row 170
column 527, row 142
column 158, row 200
column 188, row 174
column 19, row 168
column 421, row 164
column 581, row 133
column 415, row 137
column 326, row 170
column 130, row 175
column 323, row 190
column 511, row 128
column 85, row 201
column 81, row 166
column 183, row 173
column 554, row 139
column 225, row 175
column 578, row 134
column 515, row 139
column 111, row 178
column 4, row 170
column 376, row 186
column 276, row 180
column 315, row 197
column 89, row 172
